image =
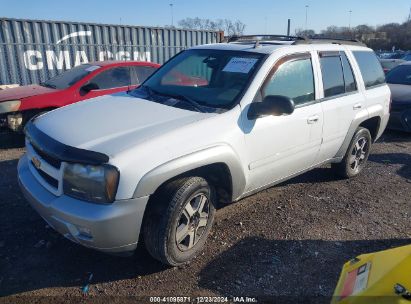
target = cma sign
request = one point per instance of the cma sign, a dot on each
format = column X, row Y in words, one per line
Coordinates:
column 36, row 60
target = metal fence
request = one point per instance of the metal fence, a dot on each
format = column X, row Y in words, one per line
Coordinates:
column 32, row 51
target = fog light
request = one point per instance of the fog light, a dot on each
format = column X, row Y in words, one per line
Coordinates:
column 15, row 121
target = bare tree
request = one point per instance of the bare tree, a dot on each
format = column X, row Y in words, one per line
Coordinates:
column 304, row 33
column 238, row 27
column 228, row 26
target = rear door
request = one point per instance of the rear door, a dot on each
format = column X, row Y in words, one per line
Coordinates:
column 341, row 100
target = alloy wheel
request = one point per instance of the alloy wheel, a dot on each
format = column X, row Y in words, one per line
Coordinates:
column 192, row 222
column 359, row 154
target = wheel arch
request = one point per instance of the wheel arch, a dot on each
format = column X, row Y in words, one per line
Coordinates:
column 219, row 165
column 371, row 123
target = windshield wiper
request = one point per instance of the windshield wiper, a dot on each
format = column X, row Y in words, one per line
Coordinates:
column 187, row 99
column 191, row 101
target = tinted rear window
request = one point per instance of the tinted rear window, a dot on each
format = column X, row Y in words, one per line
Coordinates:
column 370, row 67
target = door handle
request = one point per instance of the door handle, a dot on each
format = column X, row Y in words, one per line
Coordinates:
column 357, row 106
column 313, row 119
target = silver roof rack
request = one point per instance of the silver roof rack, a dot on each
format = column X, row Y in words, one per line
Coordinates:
column 322, row 40
column 294, row 40
column 263, row 38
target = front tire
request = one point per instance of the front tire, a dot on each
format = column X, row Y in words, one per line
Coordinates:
column 179, row 220
column 356, row 156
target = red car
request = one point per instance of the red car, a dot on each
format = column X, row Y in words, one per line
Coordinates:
column 18, row 105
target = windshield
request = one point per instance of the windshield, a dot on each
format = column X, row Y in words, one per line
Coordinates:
column 202, row 80
column 400, row 75
column 70, row 77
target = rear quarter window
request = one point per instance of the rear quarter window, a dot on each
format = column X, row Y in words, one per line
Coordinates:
column 370, row 67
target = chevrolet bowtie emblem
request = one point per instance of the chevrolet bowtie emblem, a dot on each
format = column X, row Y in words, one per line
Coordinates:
column 36, row 162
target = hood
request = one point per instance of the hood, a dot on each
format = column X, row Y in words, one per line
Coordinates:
column 23, row 92
column 400, row 92
column 111, row 123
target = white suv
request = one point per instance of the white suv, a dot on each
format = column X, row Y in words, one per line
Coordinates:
column 216, row 123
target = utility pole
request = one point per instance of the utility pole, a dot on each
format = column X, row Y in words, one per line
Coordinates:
column 409, row 16
column 349, row 23
column 172, row 15
column 306, row 17
column 289, row 27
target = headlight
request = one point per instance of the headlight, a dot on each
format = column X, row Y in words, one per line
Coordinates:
column 91, row 183
column 9, row 106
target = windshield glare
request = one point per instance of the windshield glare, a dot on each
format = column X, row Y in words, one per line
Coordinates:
column 70, row 77
column 400, row 75
column 210, row 78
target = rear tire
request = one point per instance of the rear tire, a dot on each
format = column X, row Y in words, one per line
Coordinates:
column 179, row 220
column 356, row 156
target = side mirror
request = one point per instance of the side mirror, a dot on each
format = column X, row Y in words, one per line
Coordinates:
column 271, row 105
column 88, row 87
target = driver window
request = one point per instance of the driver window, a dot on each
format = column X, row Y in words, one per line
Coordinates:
column 113, row 78
column 294, row 79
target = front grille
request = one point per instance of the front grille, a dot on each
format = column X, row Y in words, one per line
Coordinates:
column 46, row 169
column 52, row 181
column 51, row 160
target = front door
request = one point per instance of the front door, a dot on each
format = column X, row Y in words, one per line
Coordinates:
column 280, row 146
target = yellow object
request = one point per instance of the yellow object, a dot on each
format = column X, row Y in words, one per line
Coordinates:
column 380, row 277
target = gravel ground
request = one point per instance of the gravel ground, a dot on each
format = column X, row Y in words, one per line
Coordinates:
column 291, row 239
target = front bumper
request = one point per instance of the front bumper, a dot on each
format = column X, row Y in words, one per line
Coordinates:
column 112, row 228
column 400, row 118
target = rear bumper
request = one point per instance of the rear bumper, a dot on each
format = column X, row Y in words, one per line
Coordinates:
column 111, row 228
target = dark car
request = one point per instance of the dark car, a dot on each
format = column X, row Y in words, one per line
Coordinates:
column 399, row 80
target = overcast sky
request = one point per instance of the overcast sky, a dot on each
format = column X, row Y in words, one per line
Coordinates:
column 260, row 16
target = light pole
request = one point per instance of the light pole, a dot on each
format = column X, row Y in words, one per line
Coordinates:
column 172, row 17
column 306, row 18
column 349, row 23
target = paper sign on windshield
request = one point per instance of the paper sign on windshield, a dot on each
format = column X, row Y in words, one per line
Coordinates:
column 240, row 65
